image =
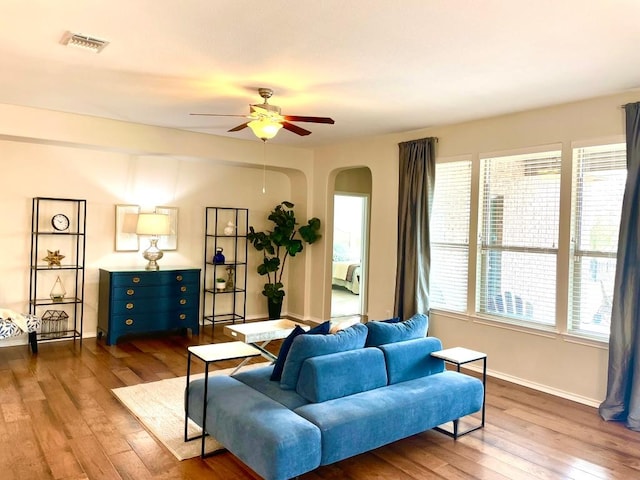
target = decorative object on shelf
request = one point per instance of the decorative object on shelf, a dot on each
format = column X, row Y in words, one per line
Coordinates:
column 230, row 229
column 221, row 283
column 153, row 225
column 57, row 292
column 276, row 245
column 231, row 270
column 53, row 258
column 60, row 222
column 54, row 323
column 126, row 239
column 218, row 257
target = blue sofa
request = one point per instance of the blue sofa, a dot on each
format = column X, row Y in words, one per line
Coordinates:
column 343, row 404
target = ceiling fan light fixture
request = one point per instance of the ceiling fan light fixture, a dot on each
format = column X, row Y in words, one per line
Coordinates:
column 265, row 128
column 83, row 41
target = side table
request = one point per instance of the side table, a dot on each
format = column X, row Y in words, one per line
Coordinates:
column 459, row 356
column 214, row 352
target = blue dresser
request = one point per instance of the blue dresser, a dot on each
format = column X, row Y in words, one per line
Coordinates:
column 142, row 301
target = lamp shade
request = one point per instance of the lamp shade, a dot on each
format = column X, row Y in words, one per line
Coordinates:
column 153, row 224
column 264, row 128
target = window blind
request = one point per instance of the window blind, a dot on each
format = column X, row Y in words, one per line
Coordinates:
column 449, row 231
column 599, row 176
column 518, row 241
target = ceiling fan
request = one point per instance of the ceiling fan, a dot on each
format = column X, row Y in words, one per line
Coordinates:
column 265, row 120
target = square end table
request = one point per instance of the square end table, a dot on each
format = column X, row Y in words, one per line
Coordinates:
column 459, row 356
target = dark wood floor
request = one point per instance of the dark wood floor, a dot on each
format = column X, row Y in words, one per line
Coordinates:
column 59, row 420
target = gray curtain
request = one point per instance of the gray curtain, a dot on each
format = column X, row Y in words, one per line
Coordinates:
column 415, row 198
column 623, row 386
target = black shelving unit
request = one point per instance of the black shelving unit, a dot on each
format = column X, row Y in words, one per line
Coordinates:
column 65, row 313
column 228, row 305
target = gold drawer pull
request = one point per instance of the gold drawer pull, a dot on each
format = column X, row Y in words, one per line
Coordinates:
column 183, row 301
column 179, row 278
column 183, row 288
column 136, row 279
column 129, row 305
column 128, row 322
column 130, row 291
column 182, row 316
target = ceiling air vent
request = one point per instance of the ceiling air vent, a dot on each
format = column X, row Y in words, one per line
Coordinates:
column 83, row 41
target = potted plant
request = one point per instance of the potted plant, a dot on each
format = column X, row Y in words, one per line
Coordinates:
column 221, row 283
column 284, row 240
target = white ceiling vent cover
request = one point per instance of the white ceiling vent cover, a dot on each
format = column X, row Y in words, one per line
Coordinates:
column 83, row 41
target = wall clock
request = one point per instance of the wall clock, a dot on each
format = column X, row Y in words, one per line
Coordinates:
column 60, row 222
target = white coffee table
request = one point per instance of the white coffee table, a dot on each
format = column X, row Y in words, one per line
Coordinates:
column 259, row 334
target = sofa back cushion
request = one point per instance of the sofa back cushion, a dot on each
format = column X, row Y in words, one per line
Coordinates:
column 381, row 333
column 308, row 346
column 341, row 374
column 278, row 366
column 412, row 359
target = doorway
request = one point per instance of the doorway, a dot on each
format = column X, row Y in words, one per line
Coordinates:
column 349, row 262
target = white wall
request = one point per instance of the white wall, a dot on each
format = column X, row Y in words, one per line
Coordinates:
column 553, row 362
column 107, row 163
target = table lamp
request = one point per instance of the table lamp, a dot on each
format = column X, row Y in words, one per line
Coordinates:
column 153, row 225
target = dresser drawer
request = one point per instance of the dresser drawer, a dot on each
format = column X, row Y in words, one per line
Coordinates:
column 148, row 305
column 138, row 279
column 185, row 317
column 138, row 323
column 185, row 289
column 186, row 276
column 135, row 292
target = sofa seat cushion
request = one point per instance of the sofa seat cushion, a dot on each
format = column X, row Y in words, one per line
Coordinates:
column 412, row 359
column 265, row 435
column 307, row 346
column 368, row 420
column 340, row 374
column 260, row 380
column 380, row 333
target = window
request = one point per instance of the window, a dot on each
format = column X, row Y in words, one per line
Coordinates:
column 599, row 176
column 450, row 236
column 518, row 237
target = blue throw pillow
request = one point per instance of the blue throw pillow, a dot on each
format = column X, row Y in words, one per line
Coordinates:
column 276, row 374
column 321, row 329
column 381, row 333
column 391, row 320
column 307, row 346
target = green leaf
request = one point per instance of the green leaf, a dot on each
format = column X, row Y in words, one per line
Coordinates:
column 280, row 242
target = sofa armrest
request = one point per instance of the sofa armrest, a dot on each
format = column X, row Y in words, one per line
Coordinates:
column 412, row 359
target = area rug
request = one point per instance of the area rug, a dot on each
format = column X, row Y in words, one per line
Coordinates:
column 159, row 406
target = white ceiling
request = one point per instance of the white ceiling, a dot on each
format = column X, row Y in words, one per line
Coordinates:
column 374, row 66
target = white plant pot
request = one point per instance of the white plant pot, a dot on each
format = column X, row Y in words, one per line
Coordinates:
column 221, row 285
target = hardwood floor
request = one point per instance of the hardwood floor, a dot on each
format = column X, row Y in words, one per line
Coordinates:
column 59, row 420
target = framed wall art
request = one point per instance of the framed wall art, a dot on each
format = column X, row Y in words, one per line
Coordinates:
column 126, row 239
column 169, row 242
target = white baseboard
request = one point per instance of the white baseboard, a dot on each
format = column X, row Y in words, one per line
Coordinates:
column 591, row 402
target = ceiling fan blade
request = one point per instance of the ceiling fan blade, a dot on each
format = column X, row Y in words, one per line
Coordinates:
column 295, row 129
column 298, row 118
column 216, row 115
column 239, row 127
